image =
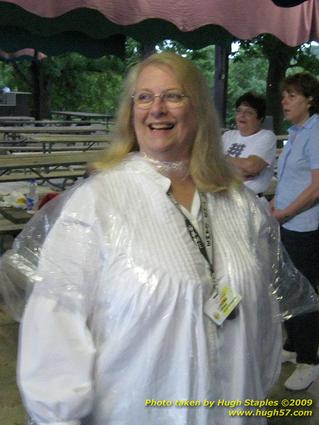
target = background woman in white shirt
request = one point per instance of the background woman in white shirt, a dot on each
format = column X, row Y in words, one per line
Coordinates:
column 251, row 149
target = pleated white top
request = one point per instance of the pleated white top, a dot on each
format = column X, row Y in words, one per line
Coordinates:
column 117, row 318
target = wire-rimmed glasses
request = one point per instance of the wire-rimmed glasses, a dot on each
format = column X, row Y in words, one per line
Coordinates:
column 172, row 98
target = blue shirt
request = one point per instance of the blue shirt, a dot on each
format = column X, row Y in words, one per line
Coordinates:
column 299, row 157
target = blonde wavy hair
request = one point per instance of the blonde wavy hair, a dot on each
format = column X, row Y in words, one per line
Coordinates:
column 208, row 168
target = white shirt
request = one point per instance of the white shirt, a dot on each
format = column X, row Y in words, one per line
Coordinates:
column 118, row 317
column 261, row 144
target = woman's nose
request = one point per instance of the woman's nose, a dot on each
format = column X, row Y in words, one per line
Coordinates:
column 158, row 106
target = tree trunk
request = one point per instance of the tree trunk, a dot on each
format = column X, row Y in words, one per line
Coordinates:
column 148, row 49
column 276, row 74
column 279, row 57
column 41, row 108
column 221, row 81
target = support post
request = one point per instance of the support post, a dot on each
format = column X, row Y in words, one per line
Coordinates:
column 221, row 81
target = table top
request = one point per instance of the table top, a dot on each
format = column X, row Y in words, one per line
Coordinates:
column 68, row 122
column 77, row 129
column 82, row 114
column 16, row 118
column 7, row 226
column 15, row 215
column 46, row 159
column 65, row 138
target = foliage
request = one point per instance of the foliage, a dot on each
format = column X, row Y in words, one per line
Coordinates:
column 75, row 82
column 81, row 84
column 204, row 58
column 7, row 78
column 306, row 59
column 247, row 72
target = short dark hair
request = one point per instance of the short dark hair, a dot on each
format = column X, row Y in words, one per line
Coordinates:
column 305, row 84
column 255, row 101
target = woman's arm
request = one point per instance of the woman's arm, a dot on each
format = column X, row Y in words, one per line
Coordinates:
column 304, row 201
column 261, row 154
column 56, row 351
column 249, row 167
column 55, row 364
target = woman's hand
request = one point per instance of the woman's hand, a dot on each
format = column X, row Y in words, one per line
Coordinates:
column 272, row 204
column 280, row 215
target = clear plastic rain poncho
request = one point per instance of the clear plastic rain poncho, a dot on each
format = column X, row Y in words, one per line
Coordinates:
column 114, row 331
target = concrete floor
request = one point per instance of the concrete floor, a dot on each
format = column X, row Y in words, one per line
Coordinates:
column 12, row 412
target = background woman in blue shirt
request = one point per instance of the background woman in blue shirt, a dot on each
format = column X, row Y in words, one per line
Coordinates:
column 296, row 207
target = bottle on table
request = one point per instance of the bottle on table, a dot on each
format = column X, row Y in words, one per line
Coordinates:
column 32, row 196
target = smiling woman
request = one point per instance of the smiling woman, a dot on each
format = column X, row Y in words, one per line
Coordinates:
column 165, row 130
column 153, row 281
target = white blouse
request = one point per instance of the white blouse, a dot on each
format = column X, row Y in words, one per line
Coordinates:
column 117, row 318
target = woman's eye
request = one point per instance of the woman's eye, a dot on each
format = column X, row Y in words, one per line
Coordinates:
column 144, row 97
column 174, row 97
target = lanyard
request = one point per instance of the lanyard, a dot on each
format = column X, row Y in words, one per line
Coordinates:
column 194, row 233
column 199, row 243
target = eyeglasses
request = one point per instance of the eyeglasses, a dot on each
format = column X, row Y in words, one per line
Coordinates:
column 248, row 112
column 172, row 98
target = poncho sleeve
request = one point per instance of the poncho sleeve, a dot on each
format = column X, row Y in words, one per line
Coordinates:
column 57, row 353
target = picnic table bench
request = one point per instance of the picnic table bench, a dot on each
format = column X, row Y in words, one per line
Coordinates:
column 7, row 227
column 16, row 120
column 45, row 166
column 78, row 142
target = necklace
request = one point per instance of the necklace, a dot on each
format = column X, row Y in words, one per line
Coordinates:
column 168, row 167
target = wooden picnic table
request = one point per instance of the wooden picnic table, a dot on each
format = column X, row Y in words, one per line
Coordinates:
column 7, row 226
column 41, row 123
column 78, row 129
column 15, row 215
column 9, row 162
column 76, row 114
column 44, row 166
column 65, row 138
column 48, row 141
column 12, row 149
column 66, row 173
column 84, row 115
column 18, row 120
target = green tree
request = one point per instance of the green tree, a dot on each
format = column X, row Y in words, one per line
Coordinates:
column 247, row 72
column 70, row 82
column 74, row 82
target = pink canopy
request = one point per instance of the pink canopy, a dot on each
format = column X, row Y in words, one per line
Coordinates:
column 243, row 19
column 21, row 54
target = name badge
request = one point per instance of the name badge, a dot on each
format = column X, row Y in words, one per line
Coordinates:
column 220, row 305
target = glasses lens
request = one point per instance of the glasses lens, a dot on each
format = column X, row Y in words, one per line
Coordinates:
column 249, row 112
column 173, row 96
column 143, row 98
